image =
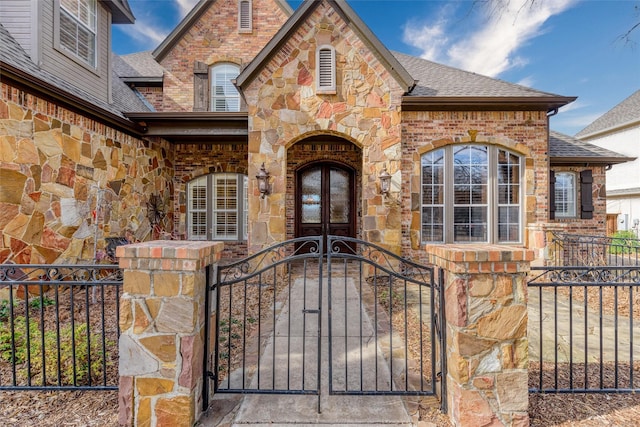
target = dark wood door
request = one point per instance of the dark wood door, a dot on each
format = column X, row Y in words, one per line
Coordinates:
column 325, row 201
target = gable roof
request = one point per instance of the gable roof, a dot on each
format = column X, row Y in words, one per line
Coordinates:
column 624, row 114
column 441, row 85
column 565, row 150
column 351, row 18
column 137, row 67
column 17, row 66
column 192, row 17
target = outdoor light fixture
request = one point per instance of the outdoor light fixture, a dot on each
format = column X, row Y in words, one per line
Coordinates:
column 385, row 181
column 263, row 181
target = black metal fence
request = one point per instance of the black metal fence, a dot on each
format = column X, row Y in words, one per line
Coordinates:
column 581, row 250
column 583, row 329
column 59, row 327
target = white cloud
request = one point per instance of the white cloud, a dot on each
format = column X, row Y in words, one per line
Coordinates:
column 527, row 81
column 575, row 105
column 185, row 6
column 146, row 33
column 492, row 44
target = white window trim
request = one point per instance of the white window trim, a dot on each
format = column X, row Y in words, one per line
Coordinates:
column 574, row 193
column 326, row 88
column 241, row 207
column 248, row 29
column 492, row 198
column 93, row 67
column 212, row 94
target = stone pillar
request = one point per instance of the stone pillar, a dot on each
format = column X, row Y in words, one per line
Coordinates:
column 486, row 325
column 162, row 331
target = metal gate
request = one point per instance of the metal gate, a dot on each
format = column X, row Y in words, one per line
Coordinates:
column 348, row 318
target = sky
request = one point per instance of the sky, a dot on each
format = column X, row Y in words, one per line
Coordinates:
column 565, row 47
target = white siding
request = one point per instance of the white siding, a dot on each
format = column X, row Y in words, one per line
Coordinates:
column 95, row 81
column 15, row 16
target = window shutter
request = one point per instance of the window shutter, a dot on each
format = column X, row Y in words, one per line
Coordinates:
column 200, row 86
column 552, row 195
column 244, row 20
column 586, row 194
column 325, row 69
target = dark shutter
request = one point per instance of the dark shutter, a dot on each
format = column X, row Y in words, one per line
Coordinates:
column 552, row 195
column 200, row 86
column 586, row 194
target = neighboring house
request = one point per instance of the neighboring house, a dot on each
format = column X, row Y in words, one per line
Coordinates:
column 619, row 130
column 311, row 99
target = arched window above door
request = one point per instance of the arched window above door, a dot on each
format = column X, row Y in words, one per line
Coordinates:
column 224, row 95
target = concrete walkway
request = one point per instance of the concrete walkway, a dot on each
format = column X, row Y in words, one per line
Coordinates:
column 302, row 410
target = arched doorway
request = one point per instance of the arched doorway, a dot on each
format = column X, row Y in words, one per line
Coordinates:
column 325, row 200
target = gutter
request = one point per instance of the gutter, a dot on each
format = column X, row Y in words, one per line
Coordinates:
column 13, row 75
column 487, row 103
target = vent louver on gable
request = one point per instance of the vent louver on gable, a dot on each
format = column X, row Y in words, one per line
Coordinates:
column 244, row 18
column 326, row 69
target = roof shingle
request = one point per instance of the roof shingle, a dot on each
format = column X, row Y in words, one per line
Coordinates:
column 624, row 113
column 567, row 149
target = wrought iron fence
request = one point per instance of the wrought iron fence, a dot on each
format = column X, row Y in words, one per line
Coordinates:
column 581, row 250
column 583, row 329
column 59, row 327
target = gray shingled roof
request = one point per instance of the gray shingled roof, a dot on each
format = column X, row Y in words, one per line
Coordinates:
column 443, row 81
column 137, row 65
column 12, row 54
column 567, row 149
column 626, row 112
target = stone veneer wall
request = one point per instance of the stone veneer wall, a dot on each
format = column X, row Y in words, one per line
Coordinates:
column 284, row 109
column 487, row 346
column 53, row 164
column 524, row 132
column 162, row 319
column 215, row 38
column 194, row 160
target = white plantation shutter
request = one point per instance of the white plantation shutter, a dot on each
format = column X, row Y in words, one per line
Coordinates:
column 326, row 68
column 77, row 32
column 224, row 95
column 244, row 16
column 197, row 218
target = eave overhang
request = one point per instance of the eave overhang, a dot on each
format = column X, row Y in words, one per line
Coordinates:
column 120, row 11
column 586, row 161
column 143, row 81
column 467, row 103
column 39, row 87
column 617, row 128
column 201, row 127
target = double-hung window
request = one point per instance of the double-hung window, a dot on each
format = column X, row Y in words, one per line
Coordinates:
column 77, row 31
column 217, row 207
column 471, row 193
column 224, row 95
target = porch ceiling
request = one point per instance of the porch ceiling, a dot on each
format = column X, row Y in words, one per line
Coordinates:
column 193, row 126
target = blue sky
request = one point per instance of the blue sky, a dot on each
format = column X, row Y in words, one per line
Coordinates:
column 567, row 47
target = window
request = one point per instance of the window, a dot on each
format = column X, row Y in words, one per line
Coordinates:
column 224, row 95
column 565, row 194
column 471, row 193
column 244, row 16
column 77, row 32
column 217, row 207
column 326, row 70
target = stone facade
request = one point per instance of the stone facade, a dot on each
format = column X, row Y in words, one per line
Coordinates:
column 68, row 180
column 284, row 109
column 487, row 355
column 162, row 320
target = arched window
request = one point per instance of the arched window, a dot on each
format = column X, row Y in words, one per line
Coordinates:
column 471, row 193
column 217, row 207
column 224, row 95
column 326, row 69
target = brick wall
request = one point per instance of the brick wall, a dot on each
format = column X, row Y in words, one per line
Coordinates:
column 194, row 160
column 215, row 38
column 153, row 95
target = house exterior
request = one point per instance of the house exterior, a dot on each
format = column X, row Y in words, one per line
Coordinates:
column 347, row 137
column 619, row 130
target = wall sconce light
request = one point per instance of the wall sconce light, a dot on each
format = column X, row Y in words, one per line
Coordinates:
column 385, row 181
column 263, row 181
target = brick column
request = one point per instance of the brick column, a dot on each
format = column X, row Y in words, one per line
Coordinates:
column 162, row 331
column 486, row 326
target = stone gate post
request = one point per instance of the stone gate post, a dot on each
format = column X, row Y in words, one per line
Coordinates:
column 486, row 325
column 162, row 331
